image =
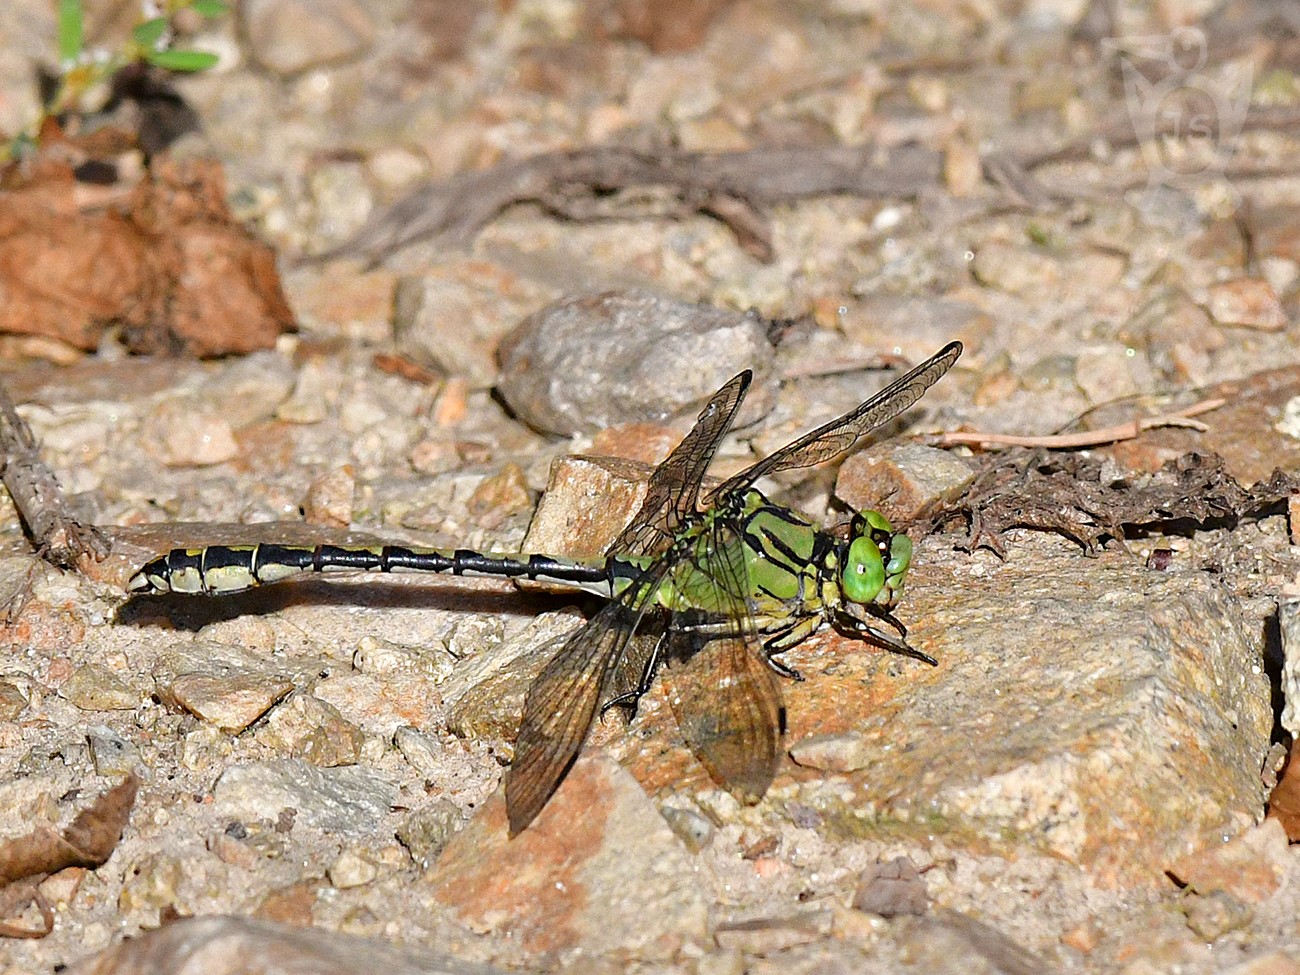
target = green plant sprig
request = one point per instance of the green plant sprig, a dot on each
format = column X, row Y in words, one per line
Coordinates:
column 82, row 69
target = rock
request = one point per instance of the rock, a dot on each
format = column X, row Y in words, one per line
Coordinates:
column 185, row 432
column 899, row 479
column 421, row 752
column 1274, row 231
column 767, row 936
column 350, row 869
column 1016, row 270
column 499, row 497
column 1250, row 867
column 1090, row 709
column 1248, row 302
column 308, row 728
column 340, row 800
column 833, row 753
column 310, row 399
column 586, row 504
column 94, row 688
column 381, row 706
column 12, row 701
column 950, row 943
column 1212, row 915
column 890, row 889
column 343, row 200
column 229, row 698
column 1255, row 431
column 289, row 37
column 111, row 754
column 478, row 298
column 585, row 363
column 250, row 388
column 154, row 884
column 1273, row 963
column 426, row 832
column 225, row 945
column 329, row 498
column 598, row 869
column 695, row 831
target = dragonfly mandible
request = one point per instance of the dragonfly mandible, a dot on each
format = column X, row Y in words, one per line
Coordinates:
column 716, row 585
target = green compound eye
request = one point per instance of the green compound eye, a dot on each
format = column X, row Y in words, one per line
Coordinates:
column 864, row 571
column 900, row 557
column 877, row 521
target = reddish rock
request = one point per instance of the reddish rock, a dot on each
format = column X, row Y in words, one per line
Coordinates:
column 598, row 869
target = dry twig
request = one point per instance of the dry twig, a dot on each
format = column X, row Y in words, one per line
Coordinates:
column 1085, row 438
column 57, row 533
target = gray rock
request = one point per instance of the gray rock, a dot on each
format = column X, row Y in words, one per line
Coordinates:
column 343, row 800
column 307, row 727
column 586, row 363
column 111, row 754
column 890, row 889
column 695, row 831
column 225, row 945
column 952, row 943
column 426, row 831
column 289, row 37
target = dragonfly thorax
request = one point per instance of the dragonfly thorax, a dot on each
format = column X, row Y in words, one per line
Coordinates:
column 875, row 560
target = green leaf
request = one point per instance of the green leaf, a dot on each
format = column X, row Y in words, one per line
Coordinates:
column 209, row 8
column 71, row 26
column 182, row 60
column 150, row 32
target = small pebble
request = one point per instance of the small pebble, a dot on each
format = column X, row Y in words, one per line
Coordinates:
column 229, row 699
column 93, row 688
column 350, row 869
column 695, row 831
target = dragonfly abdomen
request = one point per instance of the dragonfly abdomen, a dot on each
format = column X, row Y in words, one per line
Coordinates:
column 218, row 569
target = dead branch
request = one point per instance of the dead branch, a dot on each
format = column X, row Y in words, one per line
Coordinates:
column 1086, row 438
column 729, row 185
column 57, row 533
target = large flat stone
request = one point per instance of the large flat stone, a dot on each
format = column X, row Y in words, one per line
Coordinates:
column 1105, row 713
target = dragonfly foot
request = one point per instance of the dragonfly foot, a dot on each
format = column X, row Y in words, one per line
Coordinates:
column 782, row 669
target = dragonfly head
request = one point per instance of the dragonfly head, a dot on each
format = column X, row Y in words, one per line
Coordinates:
column 875, row 562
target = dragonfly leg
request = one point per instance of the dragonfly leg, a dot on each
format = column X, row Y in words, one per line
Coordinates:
column 788, row 636
column 853, row 626
column 783, row 669
column 629, row 699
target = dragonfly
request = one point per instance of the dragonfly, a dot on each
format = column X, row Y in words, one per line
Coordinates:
column 711, row 586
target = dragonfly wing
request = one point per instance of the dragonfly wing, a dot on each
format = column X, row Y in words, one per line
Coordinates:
column 630, row 676
column 724, row 696
column 728, row 707
column 564, row 697
column 674, row 486
column 840, row 434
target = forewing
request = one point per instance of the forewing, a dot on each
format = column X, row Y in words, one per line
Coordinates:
column 840, row 434
column 728, row 707
column 674, row 486
column 563, row 699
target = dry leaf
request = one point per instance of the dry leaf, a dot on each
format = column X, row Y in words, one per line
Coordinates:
column 87, row 842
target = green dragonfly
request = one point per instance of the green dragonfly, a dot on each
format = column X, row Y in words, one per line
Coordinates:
column 714, row 586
